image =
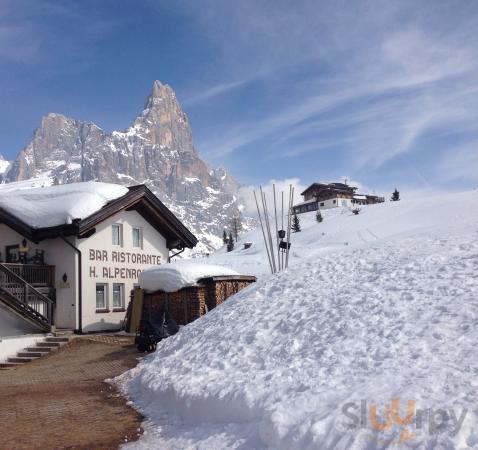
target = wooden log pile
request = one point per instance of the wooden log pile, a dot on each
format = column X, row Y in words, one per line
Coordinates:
column 192, row 302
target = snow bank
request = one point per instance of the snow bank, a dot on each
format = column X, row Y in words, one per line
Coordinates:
column 290, row 362
column 56, row 205
column 179, row 274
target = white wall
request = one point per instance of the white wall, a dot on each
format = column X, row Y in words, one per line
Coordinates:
column 102, row 262
column 339, row 203
column 60, row 255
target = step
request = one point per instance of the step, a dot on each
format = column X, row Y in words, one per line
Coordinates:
column 20, row 359
column 28, row 354
column 59, row 339
column 9, row 365
column 63, row 332
column 48, row 344
column 43, row 350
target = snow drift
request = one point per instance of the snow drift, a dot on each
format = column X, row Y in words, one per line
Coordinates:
column 180, row 274
column 289, row 362
column 56, row 205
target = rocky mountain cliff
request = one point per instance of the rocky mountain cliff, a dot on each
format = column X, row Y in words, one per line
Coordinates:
column 156, row 150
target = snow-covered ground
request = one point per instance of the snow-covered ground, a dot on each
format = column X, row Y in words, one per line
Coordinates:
column 373, row 307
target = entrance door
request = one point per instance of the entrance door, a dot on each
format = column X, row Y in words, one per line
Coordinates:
column 12, row 253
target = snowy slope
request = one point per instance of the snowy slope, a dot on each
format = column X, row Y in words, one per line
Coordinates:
column 391, row 315
column 341, row 229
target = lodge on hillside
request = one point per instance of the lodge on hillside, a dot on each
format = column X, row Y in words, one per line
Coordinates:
column 333, row 195
column 78, row 275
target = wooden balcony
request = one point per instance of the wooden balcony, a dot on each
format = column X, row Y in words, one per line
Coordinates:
column 34, row 274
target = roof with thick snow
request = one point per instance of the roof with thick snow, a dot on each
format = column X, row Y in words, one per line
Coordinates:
column 180, row 274
column 75, row 209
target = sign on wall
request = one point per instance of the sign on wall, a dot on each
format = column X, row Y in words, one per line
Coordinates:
column 114, row 263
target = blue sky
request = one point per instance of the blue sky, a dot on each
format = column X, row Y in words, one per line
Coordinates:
column 384, row 93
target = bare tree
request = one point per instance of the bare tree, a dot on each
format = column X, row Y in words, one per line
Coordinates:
column 236, row 226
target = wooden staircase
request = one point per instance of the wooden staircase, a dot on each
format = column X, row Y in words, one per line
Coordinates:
column 29, row 354
column 27, row 300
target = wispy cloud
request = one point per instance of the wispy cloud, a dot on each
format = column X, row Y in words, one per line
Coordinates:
column 248, row 202
column 374, row 87
column 214, row 91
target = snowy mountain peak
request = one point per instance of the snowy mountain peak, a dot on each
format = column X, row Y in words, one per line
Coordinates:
column 157, row 150
column 160, row 92
column 4, row 168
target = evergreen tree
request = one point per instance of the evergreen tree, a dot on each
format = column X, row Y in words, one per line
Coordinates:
column 224, row 237
column 395, row 196
column 295, row 224
column 230, row 244
column 318, row 216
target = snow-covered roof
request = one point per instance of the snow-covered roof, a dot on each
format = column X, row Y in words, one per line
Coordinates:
column 41, row 207
column 179, row 274
column 360, row 197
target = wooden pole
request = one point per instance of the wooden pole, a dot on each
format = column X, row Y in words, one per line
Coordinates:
column 277, row 228
column 291, row 202
column 266, row 214
column 282, row 226
column 263, row 233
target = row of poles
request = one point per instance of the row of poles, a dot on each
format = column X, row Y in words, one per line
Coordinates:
column 282, row 246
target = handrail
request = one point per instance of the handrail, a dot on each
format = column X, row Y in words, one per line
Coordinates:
column 25, row 293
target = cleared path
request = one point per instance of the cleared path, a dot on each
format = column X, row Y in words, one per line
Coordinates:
column 62, row 401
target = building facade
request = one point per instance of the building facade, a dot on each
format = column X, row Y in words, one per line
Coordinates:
column 333, row 195
column 87, row 268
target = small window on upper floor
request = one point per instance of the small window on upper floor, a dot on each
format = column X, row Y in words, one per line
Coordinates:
column 117, row 234
column 137, row 237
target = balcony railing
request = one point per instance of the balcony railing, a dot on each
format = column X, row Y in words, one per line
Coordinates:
column 34, row 274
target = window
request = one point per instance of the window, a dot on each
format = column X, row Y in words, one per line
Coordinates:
column 312, row 207
column 137, row 237
column 118, row 296
column 101, row 296
column 322, row 204
column 117, row 234
column 335, row 201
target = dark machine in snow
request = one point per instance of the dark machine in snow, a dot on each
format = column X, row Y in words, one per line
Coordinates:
column 150, row 332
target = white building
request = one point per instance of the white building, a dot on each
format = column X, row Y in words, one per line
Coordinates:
column 333, row 195
column 71, row 254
